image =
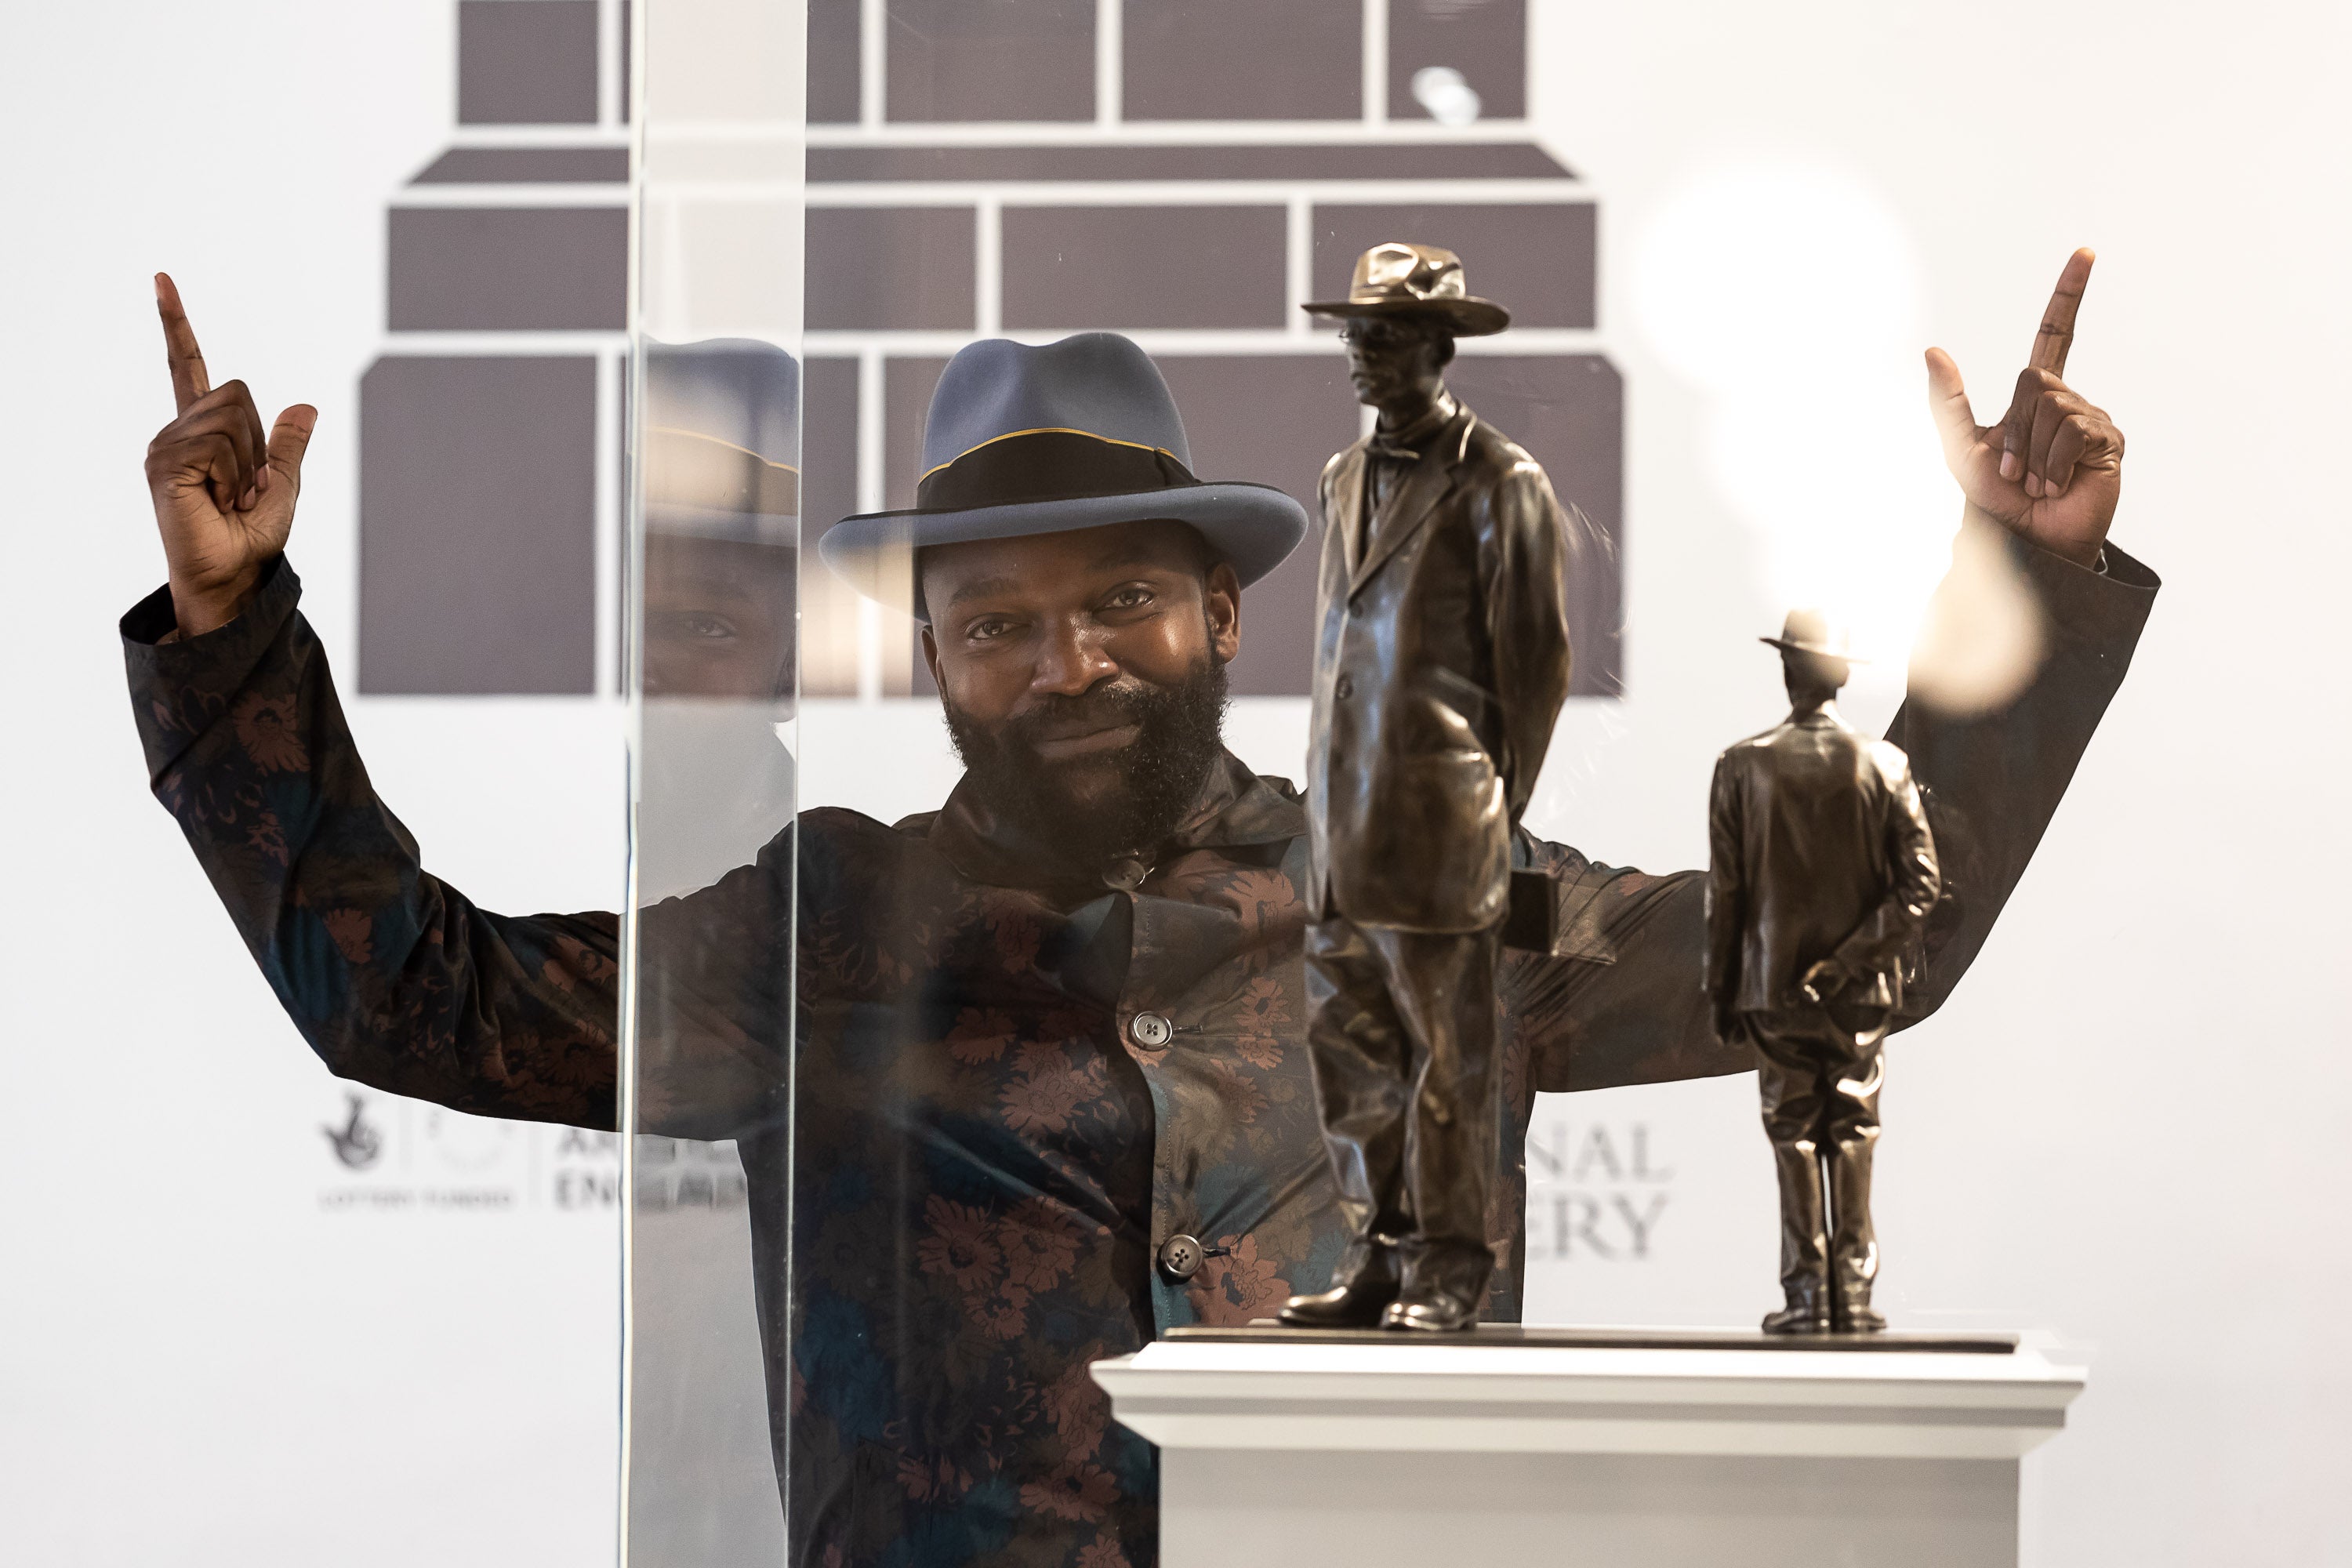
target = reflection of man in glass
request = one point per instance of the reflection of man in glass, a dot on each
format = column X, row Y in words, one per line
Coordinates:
column 1052, row 1088
column 721, row 575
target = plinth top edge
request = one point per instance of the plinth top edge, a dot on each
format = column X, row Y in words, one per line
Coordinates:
column 1548, row 1337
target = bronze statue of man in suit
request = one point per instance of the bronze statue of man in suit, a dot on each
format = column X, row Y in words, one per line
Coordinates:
column 1440, row 666
column 1821, row 875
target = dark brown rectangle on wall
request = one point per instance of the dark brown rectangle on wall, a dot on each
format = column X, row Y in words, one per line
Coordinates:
column 478, row 526
column 528, row 166
column 1269, row 419
column 891, row 268
column 1141, row 267
column 1536, row 260
column 1359, row 161
column 1242, row 59
column 526, row 62
column 907, row 387
column 990, row 59
column 828, row 444
column 829, row 406
column 1568, row 412
column 1485, row 40
column 834, row 54
column 507, row 268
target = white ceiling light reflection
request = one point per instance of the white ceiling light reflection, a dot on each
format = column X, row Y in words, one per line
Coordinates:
column 1447, row 94
column 1790, row 293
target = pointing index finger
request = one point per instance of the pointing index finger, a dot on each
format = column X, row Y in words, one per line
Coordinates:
column 190, row 381
column 2057, row 332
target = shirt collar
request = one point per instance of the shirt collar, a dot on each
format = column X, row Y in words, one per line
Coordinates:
column 1414, row 439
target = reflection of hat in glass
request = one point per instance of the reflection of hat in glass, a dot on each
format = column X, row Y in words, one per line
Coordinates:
column 722, row 441
column 1072, row 435
column 1398, row 279
column 1811, row 631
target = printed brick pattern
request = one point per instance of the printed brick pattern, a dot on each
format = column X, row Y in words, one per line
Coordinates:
column 1536, row 259
column 507, row 268
column 1242, row 59
column 526, row 62
column 990, row 59
column 885, row 268
column 1485, row 40
column 1142, row 267
column 478, row 525
column 835, row 52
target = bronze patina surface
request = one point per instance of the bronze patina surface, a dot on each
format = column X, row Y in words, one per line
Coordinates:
column 1440, row 662
column 1822, row 873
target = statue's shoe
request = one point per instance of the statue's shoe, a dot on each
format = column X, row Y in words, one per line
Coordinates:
column 1357, row 1306
column 1430, row 1311
column 1857, row 1317
column 1802, row 1318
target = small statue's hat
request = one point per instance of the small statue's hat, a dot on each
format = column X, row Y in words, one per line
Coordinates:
column 1399, row 279
column 1812, row 631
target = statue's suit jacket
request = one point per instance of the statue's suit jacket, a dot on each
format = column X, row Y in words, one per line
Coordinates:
column 1818, row 848
column 1440, row 662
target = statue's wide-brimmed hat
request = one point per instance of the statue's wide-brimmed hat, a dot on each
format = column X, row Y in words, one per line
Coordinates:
column 1399, row 279
column 1076, row 434
column 721, row 442
column 1811, row 631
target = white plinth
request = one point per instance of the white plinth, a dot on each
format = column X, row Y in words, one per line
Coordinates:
column 1296, row 1456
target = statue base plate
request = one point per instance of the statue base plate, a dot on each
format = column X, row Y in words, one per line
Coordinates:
column 1666, row 1448
column 1267, row 1331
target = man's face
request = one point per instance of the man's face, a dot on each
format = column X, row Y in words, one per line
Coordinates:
column 1083, row 674
column 1393, row 359
column 718, row 618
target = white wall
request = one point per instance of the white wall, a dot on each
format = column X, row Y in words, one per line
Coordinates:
column 2124, row 1128
column 208, row 1353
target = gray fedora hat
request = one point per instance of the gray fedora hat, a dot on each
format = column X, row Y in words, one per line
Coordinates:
column 722, row 441
column 1072, row 435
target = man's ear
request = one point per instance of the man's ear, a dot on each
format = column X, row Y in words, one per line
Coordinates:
column 1224, row 596
column 931, row 657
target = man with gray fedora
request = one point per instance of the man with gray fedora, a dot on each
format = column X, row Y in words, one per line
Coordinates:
column 1050, row 1076
column 1821, row 874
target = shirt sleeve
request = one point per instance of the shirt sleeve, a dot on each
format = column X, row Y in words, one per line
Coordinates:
column 395, row 978
column 1621, row 998
column 1727, row 902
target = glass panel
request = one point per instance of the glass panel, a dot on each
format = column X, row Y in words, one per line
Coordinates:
column 1052, row 1087
column 714, row 446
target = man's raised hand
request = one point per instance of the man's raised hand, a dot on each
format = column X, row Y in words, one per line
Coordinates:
column 2050, row 470
column 224, row 491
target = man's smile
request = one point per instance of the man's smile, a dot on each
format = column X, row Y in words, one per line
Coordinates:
column 1087, row 741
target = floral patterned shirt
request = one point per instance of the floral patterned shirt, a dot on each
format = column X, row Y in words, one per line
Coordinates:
column 1013, row 1082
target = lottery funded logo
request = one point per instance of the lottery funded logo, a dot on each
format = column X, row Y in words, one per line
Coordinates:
column 383, row 1153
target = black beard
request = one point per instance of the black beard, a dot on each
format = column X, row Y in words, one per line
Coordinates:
column 1161, row 772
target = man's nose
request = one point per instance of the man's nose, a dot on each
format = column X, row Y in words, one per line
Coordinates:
column 1072, row 662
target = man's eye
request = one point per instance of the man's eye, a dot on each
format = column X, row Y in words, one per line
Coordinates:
column 700, row 626
column 985, row 630
column 1129, row 599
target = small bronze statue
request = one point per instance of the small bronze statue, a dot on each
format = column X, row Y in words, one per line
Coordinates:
column 1821, row 875
column 1440, row 666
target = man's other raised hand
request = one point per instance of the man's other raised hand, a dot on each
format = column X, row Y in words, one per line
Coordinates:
column 224, row 491
column 2051, row 468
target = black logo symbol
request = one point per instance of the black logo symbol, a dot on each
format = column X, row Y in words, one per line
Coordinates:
column 357, row 1141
